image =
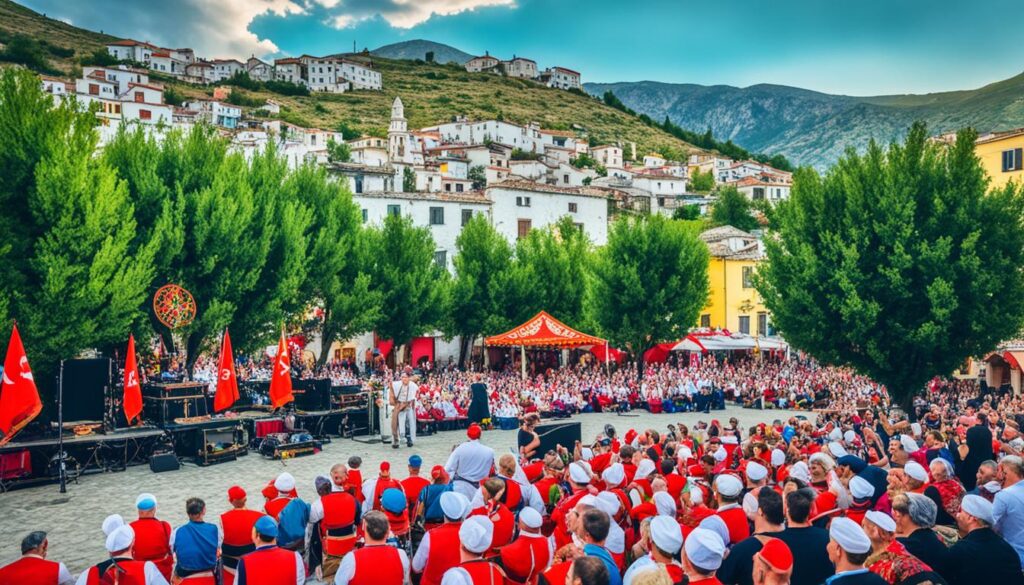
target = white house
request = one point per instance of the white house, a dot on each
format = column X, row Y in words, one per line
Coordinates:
column 130, row 50
column 608, row 155
column 483, row 63
column 225, row 68
column 361, row 76
column 567, row 175
column 165, row 62
column 201, row 71
column 370, row 150
column 444, row 213
column 365, row 179
column 520, row 67
column 530, row 170
column 120, row 75
column 653, row 160
column 259, row 70
column 324, row 74
column 519, row 206
column 56, row 87
column 216, row 112
column 763, row 187
column 96, row 85
column 527, row 138
column 660, row 185
column 291, row 70
column 561, row 78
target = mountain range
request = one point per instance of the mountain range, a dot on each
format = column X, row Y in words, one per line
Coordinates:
column 418, row 49
column 813, row 128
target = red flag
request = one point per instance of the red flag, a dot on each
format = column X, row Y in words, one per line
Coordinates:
column 19, row 399
column 281, row 379
column 227, row 383
column 132, row 389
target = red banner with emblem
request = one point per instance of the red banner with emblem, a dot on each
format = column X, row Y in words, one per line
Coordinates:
column 132, row 390
column 227, row 382
column 281, row 379
column 19, row 398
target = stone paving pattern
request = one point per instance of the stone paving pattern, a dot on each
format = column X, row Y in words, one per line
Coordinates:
column 73, row 520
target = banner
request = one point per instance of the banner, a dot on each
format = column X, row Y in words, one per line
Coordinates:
column 227, row 382
column 281, row 379
column 132, row 390
column 19, row 398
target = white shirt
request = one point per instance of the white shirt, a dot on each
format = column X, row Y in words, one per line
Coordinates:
column 471, row 460
column 153, row 575
column 456, row 576
column 419, row 560
column 404, row 393
column 347, row 569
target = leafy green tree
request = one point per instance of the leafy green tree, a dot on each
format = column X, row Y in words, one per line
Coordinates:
column 338, row 152
column 702, row 182
column 478, row 175
column 411, row 284
column 100, row 57
column 482, row 264
column 26, row 51
column 338, row 278
column 687, row 212
column 408, row 180
column 898, row 263
column 550, row 274
column 648, row 283
column 733, row 208
column 74, row 273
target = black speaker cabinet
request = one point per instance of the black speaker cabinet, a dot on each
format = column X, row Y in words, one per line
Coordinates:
column 551, row 435
column 85, row 382
column 160, row 462
column 312, row 395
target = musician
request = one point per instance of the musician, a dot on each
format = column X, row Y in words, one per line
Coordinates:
column 338, row 515
column 236, row 525
column 152, row 536
column 33, row 568
column 403, row 402
column 121, row 567
column 376, row 563
column 285, row 486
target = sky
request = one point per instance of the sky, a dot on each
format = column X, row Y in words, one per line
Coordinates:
column 870, row 47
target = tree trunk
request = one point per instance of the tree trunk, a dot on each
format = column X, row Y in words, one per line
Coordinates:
column 327, row 335
column 192, row 345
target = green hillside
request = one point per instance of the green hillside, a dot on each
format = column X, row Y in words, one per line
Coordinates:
column 432, row 93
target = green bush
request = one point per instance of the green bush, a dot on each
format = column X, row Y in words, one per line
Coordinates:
column 28, row 52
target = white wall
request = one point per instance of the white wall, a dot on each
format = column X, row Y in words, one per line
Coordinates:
column 545, row 209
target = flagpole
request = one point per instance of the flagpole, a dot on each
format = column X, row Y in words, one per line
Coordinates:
column 60, row 430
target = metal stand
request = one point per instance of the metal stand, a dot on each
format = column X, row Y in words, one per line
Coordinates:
column 60, row 430
column 371, row 421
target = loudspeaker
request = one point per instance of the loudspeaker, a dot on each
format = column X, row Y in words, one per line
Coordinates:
column 312, row 395
column 159, row 462
column 85, row 382
column 565, row 434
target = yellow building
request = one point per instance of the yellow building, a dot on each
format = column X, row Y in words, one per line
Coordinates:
column 1001, row 154
column 733, row 303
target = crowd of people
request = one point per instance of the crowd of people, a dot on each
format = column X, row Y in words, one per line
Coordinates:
column 858, row 495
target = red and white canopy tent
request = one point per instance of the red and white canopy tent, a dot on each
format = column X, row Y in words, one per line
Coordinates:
column 543, row 330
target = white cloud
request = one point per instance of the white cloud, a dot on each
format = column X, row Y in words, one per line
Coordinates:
column 221, row 28
column 402, row 13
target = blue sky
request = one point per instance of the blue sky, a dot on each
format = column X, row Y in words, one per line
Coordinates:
column 857, row 48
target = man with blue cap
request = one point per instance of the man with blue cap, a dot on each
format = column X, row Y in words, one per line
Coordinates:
column 152, row 536
column 269, row 564
column 414, row 484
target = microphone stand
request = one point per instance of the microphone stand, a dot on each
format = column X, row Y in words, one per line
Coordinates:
column 60, row 430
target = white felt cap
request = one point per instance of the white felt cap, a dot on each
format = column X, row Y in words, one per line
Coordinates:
column 849, row 536
column 121, row 538
column 284, row 482
column 476, row 534
column 667, row 534
column 728, row 485
column 705, row 549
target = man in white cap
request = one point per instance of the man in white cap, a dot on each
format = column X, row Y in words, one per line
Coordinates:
column 439, row 549
column 112, row 523
column 665, row 541
column 475, row 536
column 848, row 549
column 757, row 475
column 981, row 555
column 530, row 553
column 377, row 562
column 152, row 536
column 579, row 480
column 128, row 570
column 284, row 484
column 33, row 568
column 862, row 491
column 470, row 463
column 889, row 558
column 704, row 551
column 729, row 489
column 917, row 476
column 610, row 504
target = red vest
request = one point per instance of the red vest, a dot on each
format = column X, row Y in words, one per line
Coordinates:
column 31, row 571
column 153, row 543
column 503, row 520
column 513, row 496
column 378, row 564
column 413, row 486
column 274, row 507
column 736, row 520
column 269, row 566
column 525, row 558
column 134, row 574
column 378, row 489
column 204, row 578
column 339, row 512
column 561, row 533
column 555, row 574
column 444, row 553
column 238, row 525
column 484, row 572
column 544, row 487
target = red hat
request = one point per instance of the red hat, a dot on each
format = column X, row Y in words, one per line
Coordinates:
column 696, row 470
column 473, row 432
column 630, row 435
column 438, row 472
column 777, row 555
column 385, row 466
column 235, row 493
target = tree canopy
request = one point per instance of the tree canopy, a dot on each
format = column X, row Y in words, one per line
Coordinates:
column 733, row 208
column 898, row 262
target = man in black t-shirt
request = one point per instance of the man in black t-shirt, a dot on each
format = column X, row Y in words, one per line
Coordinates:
column 811, row 565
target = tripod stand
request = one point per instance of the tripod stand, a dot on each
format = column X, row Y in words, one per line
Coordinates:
column 371, row 420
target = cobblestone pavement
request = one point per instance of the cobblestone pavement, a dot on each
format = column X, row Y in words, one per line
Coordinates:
column 73, row 520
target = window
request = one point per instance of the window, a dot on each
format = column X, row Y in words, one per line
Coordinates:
column 437, row 216
column 1012, row 159
column 366, row 215
column 458, row 187
column 524, row 228
column 523, row 201
column 705, row 320
column 758, row 192
column 762, row 323
column 94, row 89
column 748, row 273
column 661, row 202
column 565, row 179
column 441, row 259
column 140, row 97
column 745, row 324
column 579, row 226
column 574, row 207
column 394, row 210
column 145, row 115
column 467, row 214
column 448, row 187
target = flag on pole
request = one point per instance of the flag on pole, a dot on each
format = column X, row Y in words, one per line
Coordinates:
column 19, row 399
column 227, row 383
column 281, row 379
column 132, row 390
